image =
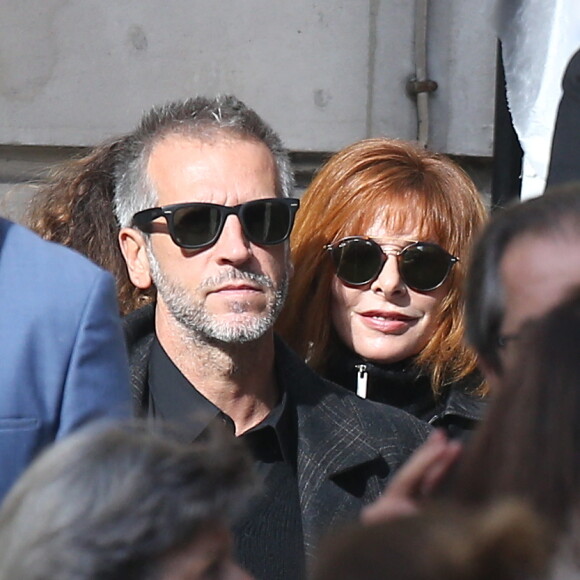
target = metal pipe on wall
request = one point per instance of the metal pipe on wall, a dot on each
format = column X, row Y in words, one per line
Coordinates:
column 421, row 19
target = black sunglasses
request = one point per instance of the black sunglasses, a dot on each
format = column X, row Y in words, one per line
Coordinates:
column 199, row 225
column 423, row 266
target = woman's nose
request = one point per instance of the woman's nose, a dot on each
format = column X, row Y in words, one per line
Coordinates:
column 389, row 280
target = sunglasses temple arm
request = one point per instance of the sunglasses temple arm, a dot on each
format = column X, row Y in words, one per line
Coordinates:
column 142, row 218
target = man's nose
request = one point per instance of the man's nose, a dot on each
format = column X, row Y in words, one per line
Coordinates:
column 232, row 247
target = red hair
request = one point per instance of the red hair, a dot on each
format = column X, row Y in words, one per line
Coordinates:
column 410, row 187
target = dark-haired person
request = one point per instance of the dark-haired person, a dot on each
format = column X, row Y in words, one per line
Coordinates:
column 380, row 250
column 202, row 195
column 73, row 206
column 530, row 438
column 524, row 263
column 126, row 502
column 528, row 446
column 564, row 166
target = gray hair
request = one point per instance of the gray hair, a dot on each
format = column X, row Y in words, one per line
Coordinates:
column 112, row 501
column 200, row 118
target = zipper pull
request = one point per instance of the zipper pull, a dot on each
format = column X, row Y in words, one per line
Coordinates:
column 362, row 378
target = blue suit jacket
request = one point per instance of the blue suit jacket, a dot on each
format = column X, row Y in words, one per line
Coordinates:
column 62, row 352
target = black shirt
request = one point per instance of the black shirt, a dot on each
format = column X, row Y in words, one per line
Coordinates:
column 268, row 536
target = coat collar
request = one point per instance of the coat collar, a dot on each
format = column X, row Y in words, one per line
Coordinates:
column 139, row 329
column 345, row 453
column 329, row 423
column 462, row 403
column 405, row 386
column 341, row 464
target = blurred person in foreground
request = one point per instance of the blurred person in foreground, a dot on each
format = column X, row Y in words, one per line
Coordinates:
column 528, row 444
column 525, row 262
column 527, row 447
column 126, row 502
column 380, row 250
column 505, row 541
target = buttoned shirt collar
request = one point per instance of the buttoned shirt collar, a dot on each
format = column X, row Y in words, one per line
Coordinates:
column 172, row 397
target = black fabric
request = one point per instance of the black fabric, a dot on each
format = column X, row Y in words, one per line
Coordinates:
column 268, row 536
column 403, row 386
column 172, row 397
column 347, row 448
column 564, row 164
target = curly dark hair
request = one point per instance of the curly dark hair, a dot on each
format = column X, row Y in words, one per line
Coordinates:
column 74, row 207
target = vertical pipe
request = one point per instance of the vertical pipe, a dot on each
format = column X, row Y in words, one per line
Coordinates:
column 421, row 15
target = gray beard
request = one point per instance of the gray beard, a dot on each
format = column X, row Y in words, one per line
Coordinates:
column 200, row 325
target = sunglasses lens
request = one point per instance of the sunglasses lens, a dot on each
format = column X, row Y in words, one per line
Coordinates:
column 357, row 261
column 196, row 226
column 424, row 266
column 267, row 222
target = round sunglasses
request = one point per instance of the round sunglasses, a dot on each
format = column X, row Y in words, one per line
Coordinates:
column 194, row 225
column 423, row 266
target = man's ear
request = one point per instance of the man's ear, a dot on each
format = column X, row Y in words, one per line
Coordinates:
column 134, row 249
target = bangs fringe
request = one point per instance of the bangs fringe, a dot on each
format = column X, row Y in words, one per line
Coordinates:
column 413, row 191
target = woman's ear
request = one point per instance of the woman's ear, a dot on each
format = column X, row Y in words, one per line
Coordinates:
column 134, row 250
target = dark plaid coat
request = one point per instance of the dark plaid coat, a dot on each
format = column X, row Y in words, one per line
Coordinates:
column 348, row 447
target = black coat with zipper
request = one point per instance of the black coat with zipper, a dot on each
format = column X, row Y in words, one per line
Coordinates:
column 458, row 409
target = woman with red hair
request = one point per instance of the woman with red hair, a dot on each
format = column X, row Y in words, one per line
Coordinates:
column 380, row 248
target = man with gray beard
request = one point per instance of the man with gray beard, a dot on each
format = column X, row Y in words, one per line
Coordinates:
column 198, row 322
column 202, row 194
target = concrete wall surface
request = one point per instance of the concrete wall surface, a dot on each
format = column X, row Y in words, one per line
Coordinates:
column 324, row 73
